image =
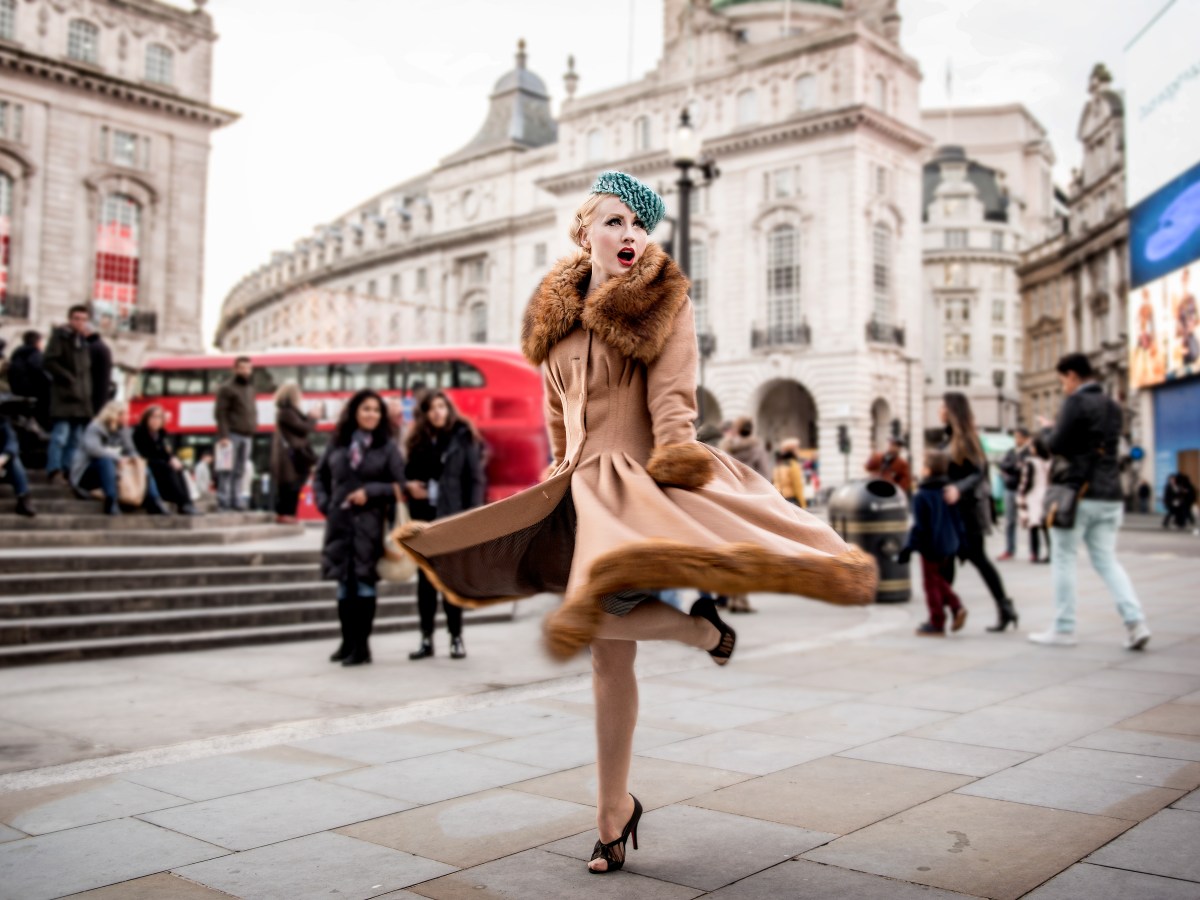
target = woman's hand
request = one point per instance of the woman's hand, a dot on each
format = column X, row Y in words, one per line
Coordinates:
column 176, row 464
column 951, row 494
column 417, row 490
column 358, row 498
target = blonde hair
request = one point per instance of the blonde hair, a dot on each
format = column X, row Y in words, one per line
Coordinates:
column 289, row 393
column 584, row 216
column 111, row 414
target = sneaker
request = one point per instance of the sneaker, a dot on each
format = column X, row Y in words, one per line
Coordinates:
column 927, row 630
column 1004, row 557
column 1139, row 636
column 1052, row 638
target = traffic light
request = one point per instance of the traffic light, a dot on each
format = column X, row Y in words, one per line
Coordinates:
column 844, row 440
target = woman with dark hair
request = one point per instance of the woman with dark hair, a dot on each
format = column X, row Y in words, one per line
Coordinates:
column 154, row 444
column 292, row 456
column 445, row 476
column 357, row 480
column 970, row 491
column 1031, row 499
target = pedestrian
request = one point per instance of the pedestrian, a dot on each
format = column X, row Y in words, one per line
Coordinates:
column 444, row 475
column 356, row 485
column 1011, row 467
column 202, row 473
column 103, row 388
column 1179, row 498
column 236, row 414
column 743, row 446
column 1086, row 437
column 789, row 473
column 68, row 360
column 635, row 503
column 12, row 469
column 937, row 533
column 28, row 377
column 1144, row 494
column 891, row 466
column 970, row 490
column 1031, row 498
column 104, row 450
column 155, row 445
column 292, row 456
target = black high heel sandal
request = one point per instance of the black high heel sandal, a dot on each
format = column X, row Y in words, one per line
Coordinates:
column 613, row 852
column 705, row 608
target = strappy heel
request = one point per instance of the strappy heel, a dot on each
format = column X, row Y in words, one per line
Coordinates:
column 705, row 608
column 613, row 853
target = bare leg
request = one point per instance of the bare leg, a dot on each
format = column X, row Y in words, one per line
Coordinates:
column 616, row 694
column 652, row 620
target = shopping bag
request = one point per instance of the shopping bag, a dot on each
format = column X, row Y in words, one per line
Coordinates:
column 223, row 457
column 396, row 564
column 131, row 480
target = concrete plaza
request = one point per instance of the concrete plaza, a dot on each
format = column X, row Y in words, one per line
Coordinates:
column 837, row 756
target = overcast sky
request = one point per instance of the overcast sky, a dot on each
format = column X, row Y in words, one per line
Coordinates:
column 341, row 100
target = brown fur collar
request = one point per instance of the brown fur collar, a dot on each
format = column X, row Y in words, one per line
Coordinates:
column 632, row 313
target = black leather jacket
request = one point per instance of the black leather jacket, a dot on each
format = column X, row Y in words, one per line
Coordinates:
column 1086, row 437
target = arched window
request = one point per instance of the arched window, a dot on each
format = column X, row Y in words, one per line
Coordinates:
column 881, row 93
column 783, row 278
column 6, row 208
column 115, row 292
column 160, row 64
column 747, row 107
column 8, row 19
column 882, row 273
column 83, row 41
column 806, row 92
column 595, row 145
column 641, row 133
column 477, row 317
column 699, row 278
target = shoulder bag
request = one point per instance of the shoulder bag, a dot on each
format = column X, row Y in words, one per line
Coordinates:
column 396, row 564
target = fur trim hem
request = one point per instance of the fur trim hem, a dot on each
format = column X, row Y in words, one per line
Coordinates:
column 633, row 313
column 846, row 580
column 689, row 465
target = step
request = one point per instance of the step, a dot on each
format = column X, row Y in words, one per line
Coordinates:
column 163, row 599
column 65, row 651
column 139, row 538
column 67, row 505
column 100, row 559
column 68, row 583
column 134, row 520
column 177, row 621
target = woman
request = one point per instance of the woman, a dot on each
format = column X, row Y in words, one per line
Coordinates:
column 789, row 473
column 292, row 456
column 635, row 504
column 106, row 443
column 1031, row 499
column 970, row 491
column 743, row 446
column 445, row 475
column 153, row 444
column 357, row 481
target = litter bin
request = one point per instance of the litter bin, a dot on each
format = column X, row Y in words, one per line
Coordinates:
column 874, row 515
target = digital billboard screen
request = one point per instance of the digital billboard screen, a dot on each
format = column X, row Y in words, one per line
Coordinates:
column 1164, row 229
column 1164, row 328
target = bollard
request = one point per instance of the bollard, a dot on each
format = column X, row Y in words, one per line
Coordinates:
column 874, row 516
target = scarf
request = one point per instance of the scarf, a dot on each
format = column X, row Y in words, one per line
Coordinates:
column 360, row 443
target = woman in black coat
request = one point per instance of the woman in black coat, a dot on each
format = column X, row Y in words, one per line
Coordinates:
column 970, row 490
column 445, row 475
column 292, row 457
column 357, row 482
column 153, row 444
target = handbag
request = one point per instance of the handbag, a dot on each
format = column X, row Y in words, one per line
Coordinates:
column 396, row 564
column 131, row 481
column 1062, row 502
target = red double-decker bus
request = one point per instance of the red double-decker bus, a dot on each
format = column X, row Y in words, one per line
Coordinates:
column 496, row 388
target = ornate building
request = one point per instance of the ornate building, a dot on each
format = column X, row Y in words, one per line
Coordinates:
column 983, row 202
column 105, row 117
column 804, row 252
column 1074, row 285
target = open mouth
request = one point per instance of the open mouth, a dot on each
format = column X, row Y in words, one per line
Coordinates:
column 626, row 256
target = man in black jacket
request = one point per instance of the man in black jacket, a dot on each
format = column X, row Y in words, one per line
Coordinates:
column 28, row 377
column 1086, row 438
column 236, row 414
column 68, row 361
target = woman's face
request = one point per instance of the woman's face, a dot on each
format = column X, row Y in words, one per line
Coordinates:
column 155, row 421
column 439, row 413
column 616, row 238
column 943, row 415
column 368, row 415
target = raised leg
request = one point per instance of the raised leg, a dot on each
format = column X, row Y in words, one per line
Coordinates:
column 652, row 620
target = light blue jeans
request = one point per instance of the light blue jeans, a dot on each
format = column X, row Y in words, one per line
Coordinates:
column 1096, row 522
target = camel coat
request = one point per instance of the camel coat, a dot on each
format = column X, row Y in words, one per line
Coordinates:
column 634, row 501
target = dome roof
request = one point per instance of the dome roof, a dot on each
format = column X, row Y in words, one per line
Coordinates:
column 721, row 4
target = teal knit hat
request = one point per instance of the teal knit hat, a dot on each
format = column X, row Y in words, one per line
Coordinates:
column 637, row 195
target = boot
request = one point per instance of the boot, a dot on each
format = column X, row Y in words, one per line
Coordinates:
column 25, row 508
column 1007, row 615
column 111, row 506
column 343, row 649
column 457, row 650
column 364, row 615
column 426, row 648
column 156, row 507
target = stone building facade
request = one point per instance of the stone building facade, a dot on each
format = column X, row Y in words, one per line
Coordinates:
column 805, row 251
column 985, row 199
column 105, row 117
column 1075, row 284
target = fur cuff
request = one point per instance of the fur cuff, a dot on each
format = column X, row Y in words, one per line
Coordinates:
column 688, row 465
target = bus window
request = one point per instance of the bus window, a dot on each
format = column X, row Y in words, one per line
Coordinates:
column 467, row 376
column 267, row 379
column 434, row 375
column 356, row 376
column 152, row 384
column 185, row 383
column 314, row 379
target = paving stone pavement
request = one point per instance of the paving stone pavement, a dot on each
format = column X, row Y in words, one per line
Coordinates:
column 838, row 756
